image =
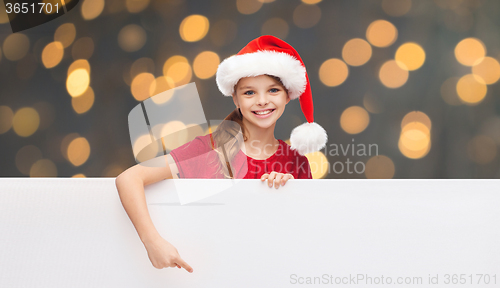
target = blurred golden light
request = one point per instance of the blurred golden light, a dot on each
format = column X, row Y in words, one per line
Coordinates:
column 470, row 90
column 178, row 69
column 83, row 48
column 248, row 6
column 91, row 9
column 6, row 116
column 482, row 149
column 148, row 149
column 396, row 8
column 410, row 54
column 372, row 104
column 356, row 52
column 79, row 64
column 449, row 91
column 84, row 102
column 161, row 85
column 78, row 151
column 136, row 6
column 4, row 18
column 194, row 130
column 276, row 27
column 205, row 64
column 15, row 46
column 194, row 27
column 78, row 81
column 79, row 175
column 142, row 65
column 26, row 121
column 306, row 16
column 267, row 1
column 65, row 34
column 333, row 72
column 488, row 70
column 381, row 33
column 354, row 120
column 318, row 163
column 52, row 54
column 414, row 141
column 140, row 86
column 392, row 75
column 131, row 38
column 174, row 134
column 416, row 116
column 43, row 168
column 26, row 157
column 65, row 143
column 411, row 153
column 112, row 170
column 310, row 2
column 379, row 167
column 469, row 51
column 223, row 32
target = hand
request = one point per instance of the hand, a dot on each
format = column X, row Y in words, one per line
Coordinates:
column 162, row 254
column 278, row 178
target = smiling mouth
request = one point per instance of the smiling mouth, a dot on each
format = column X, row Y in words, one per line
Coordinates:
column 265, row 112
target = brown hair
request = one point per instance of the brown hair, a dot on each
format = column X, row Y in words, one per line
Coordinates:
column 227, row 132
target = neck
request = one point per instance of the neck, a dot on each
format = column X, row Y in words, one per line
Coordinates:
column 261, row 143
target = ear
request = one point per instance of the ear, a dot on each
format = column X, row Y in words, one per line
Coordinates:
column 288, row 98
column 235, row 100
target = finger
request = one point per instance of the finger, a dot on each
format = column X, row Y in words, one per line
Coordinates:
column 277, row 181
column 270, row 179
column 286, row 178
column 184, row 265
column 263, row 178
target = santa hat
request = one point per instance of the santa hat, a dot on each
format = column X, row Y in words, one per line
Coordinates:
column 273, row 56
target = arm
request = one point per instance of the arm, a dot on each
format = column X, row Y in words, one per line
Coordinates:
column 130, row 185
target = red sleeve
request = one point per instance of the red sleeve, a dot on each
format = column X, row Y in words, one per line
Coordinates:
column 306, row 172
column 190, row 151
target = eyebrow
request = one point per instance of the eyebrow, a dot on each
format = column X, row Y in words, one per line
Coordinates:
column 251, row 87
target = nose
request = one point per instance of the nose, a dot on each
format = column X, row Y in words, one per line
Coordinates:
column 262, row 99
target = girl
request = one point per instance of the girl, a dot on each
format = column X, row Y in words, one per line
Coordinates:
column 262, row 78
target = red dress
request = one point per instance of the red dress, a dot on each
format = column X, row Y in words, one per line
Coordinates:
column 198, row 159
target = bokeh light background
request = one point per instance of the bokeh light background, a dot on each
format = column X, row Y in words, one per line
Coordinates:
column 416, row 78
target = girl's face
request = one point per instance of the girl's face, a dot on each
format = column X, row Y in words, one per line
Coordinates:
column 261, row 100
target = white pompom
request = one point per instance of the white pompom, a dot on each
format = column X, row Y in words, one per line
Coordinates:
column 308, row 137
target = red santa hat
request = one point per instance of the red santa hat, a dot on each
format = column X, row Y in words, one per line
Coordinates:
column 273, row 56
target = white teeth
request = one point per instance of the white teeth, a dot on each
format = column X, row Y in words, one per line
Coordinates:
column 264, row 112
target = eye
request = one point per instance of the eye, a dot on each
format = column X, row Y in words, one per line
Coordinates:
column 274, row 90
column 249, row 91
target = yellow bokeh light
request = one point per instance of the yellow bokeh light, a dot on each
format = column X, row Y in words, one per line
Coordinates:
column 333, row 72
column 78, row 81
column 194, row 28
column 469, row 51
column 112, row 170
column 43, row 168
column 15, row 46
column 415, row 139
column 136, row 6
column 354, row 120
column 449, row 91
column 6, row 117
column 175, row 134
column 84, row 102
column 248, row 6
column 306, row 16
column 26, row 157
column 79, row 64
column 4, row 17
column 379, row 167
column 131, row 38
column 79, row 175
column 410, row 54
column 178, row 69
column 381, row 33
column 416, row 116
column 356, row 52
column 205, row 64
column 276, row 27
column 488, row 69
column 26, row 121
column 83, row 48
column 161, row 89
column 65, row 34
column 65, row 143
column 482, row 149
column 52, row 54
column 471, row 90
column 91, row 9
column 392, row 75
column 144, row 149
column 413, row 154
column 318, row 163
column 310, row 2
column 78, row 151
column 140, row 86
column 396, row 8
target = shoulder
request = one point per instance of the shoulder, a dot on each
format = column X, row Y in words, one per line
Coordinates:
column 287, row 151
column 199, row 145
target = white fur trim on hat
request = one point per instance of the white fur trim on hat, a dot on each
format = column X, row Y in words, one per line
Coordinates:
column 307, row 138
column 285, row 66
